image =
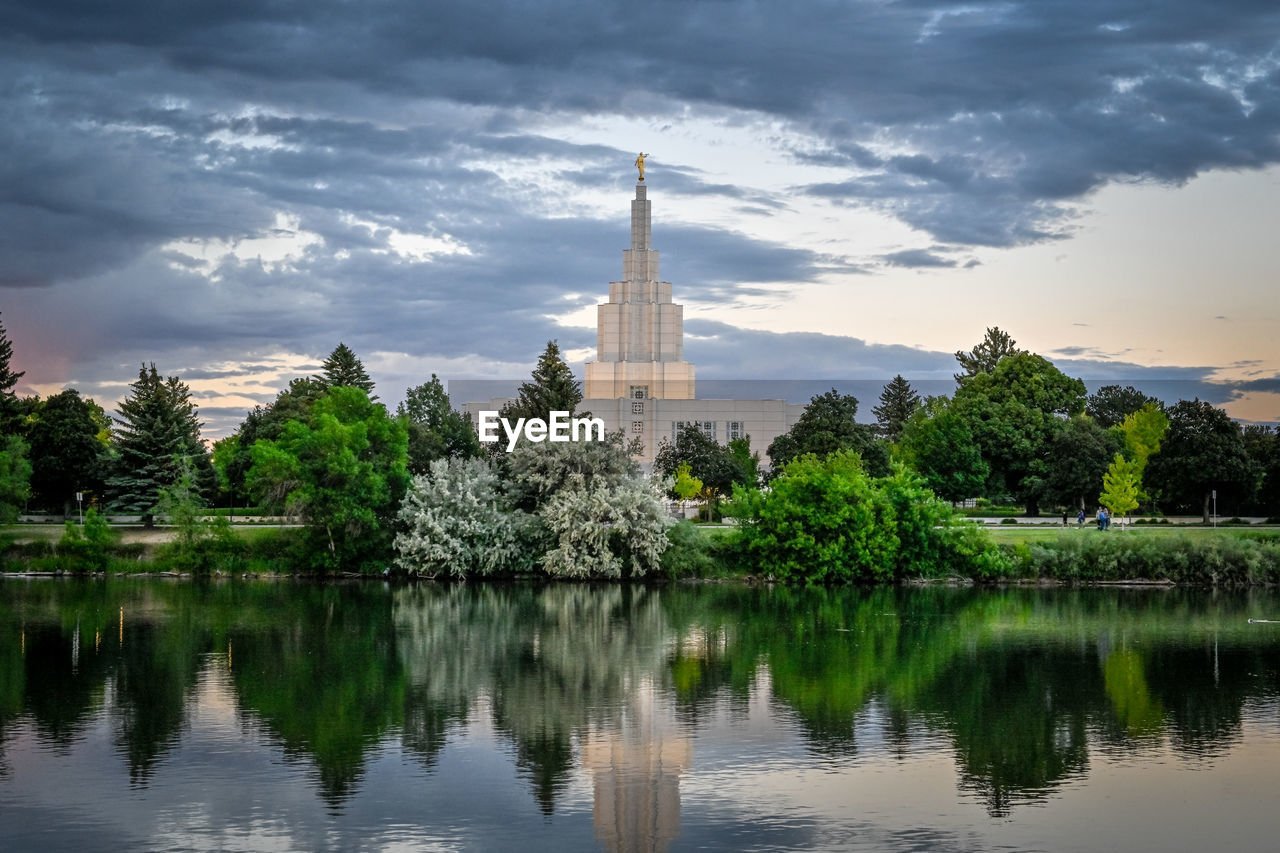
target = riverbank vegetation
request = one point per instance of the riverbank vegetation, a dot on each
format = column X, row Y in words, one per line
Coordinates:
column 415, row 494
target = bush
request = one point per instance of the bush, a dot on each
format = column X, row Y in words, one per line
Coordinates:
column 822, row 522
column 574, row 510
column 215, row 549
column 826, row 521
column 88, row 548
column 690, row 553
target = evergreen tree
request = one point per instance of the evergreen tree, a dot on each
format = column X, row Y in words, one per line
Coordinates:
column 8, row 379
column 553, row 389
column 157, row 427
column 994, row 346
column 343, row 369
column 436, row 431
column 898, row 402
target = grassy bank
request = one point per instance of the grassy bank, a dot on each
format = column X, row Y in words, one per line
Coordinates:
column 1204, row 557
column 227, row 549
column 1192, row 556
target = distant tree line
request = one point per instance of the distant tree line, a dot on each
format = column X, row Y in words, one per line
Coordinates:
column 1018, row 431
column 373, row 486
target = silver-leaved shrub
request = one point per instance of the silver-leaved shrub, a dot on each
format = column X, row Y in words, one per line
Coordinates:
column 573, row 509
column 456, row 522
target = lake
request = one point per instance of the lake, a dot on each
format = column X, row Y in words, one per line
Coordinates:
column 256, row 715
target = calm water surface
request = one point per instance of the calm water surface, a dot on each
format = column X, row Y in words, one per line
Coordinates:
column 288, row 716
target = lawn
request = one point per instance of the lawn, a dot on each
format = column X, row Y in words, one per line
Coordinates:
column 1018, row 533
column 128, row 533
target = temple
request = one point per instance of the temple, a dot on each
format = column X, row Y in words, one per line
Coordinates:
column 639, row 331
column 639, row 382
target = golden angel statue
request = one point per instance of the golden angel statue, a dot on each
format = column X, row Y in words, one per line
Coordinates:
column 640, row 164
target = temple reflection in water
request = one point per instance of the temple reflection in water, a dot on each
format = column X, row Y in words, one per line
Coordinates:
column 635, row 772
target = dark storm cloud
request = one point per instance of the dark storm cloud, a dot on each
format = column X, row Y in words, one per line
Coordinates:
column 723, row 351
column 1269, row 385
column 124, row 131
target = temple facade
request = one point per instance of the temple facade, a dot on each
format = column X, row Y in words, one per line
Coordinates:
column 639, row 382
column 640, row 330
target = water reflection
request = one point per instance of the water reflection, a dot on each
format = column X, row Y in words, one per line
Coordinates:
column 607, row 692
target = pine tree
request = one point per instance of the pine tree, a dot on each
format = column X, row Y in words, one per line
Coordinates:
column 898, row 402
column 994, row 346
column 553, row 389
column 342, row 368
column 157, row 428
column 8, row 379
column 435, row 429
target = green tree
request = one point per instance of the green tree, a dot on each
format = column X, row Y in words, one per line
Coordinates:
column 436, row 431
column 552, row 389
column 66, row 453
column 709, row 461
column 822, row 521
column 182, row 507
column 827, row 426
column 343, row 471
column 1203, row 451
column 15, row 477
column 1077, row 458
column 1014, row 413
column 235, row 458
column 747, row 461
column 898, row 402
column 1111, row 404
column 984, row 357
column 686, row 486
column 939, row 444
column 157, row 427
column 8, row 379
column 1142, row 432
column 343, row 369
column 1262, row 443
column 1120, row 486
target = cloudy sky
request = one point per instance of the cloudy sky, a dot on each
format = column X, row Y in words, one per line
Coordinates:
column 840, row 189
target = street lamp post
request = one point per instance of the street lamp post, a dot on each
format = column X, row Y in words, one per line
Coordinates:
column 80, row 506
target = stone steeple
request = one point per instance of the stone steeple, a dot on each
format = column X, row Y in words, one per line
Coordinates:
column 640, row 331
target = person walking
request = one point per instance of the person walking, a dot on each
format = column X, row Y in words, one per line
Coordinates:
column 1080, row 518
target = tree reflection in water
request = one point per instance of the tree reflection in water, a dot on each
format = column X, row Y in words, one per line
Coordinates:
column 615, row 682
